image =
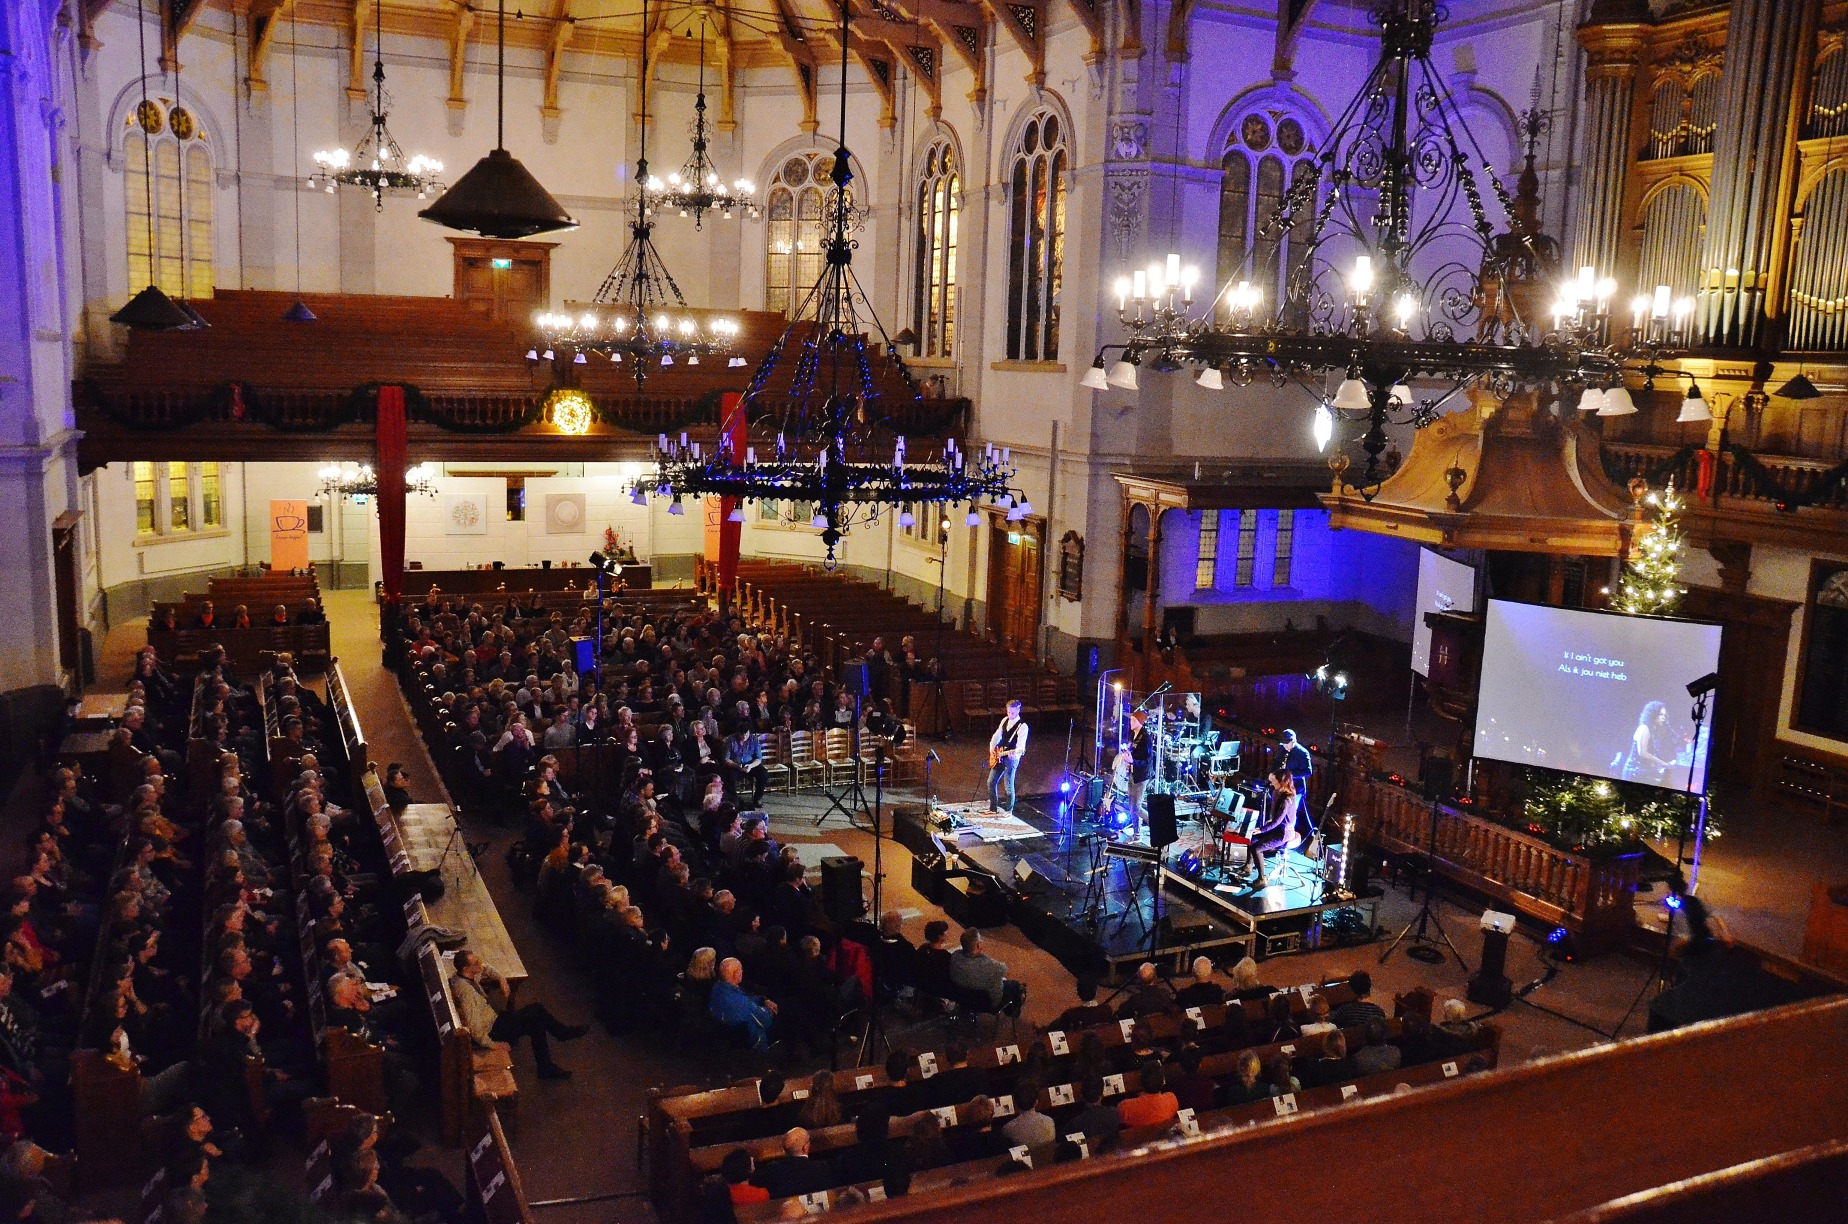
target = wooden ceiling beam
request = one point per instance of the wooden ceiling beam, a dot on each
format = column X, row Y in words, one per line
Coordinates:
column 562, row 28
column 266, row 17
column 1025, row 22
column 356, row 55
column 795, row 45
column 458, row 56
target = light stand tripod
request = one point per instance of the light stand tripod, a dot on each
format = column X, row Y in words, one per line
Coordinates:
column 939, row 705
column 1701, row 691
column 1424, row 946
column 854, row 797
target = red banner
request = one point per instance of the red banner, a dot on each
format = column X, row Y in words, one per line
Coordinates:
column 390, row 440
column 1703, row 474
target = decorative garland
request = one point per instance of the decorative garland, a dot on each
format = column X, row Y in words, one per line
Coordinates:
column 1761, row 480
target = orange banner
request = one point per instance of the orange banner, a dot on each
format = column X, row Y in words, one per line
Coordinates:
column 288, row 535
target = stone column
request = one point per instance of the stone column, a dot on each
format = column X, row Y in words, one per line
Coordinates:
column 1613, row 52
column 1766, row 50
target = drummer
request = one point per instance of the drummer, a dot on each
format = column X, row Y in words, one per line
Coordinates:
column 1195, row 721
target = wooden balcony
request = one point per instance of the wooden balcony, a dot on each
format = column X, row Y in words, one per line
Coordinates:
column 1737, row 509
column 253, row 387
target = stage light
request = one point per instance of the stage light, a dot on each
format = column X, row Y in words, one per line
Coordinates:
column 1065, row 787
column 1673, row 901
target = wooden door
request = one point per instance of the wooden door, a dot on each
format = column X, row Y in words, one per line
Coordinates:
column 1014, row 584
column 1753, row 647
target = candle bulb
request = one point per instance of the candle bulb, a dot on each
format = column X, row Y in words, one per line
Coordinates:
column 750, row 456
column 1139, row 285
column 1659, row 308
column 1172, row 273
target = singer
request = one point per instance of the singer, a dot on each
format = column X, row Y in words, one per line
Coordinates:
column 1141, row 754
column 1005, row 749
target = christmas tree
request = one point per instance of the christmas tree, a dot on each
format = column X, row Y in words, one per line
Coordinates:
column 1651, row 583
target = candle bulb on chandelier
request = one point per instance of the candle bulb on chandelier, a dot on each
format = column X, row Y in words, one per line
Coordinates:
column 1139, row 283
column 1122, row 294
column 1659, row 307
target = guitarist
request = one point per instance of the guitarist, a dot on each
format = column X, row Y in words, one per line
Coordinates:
column 1005, row 748
column 1141, row 759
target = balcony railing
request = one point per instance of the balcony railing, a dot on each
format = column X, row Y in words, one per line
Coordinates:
column 1789, row 478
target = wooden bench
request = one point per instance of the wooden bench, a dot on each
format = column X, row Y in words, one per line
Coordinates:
column 493, row 1188
column 469, row 1079
column 181, row 648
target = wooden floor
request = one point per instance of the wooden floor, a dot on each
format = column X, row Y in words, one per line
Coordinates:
column 578, row 1139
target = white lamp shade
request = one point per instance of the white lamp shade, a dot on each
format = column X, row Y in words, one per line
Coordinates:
column 1694, row 409
column 907, row 519
column 1324, row 426
column 1352, row 395
column 1015, row 514
column 1617, row 402
column 819, row 521
column 1094, row 379
column 736, row 516
column 1123, row 375
column 974, row 519
column 1026, row 507
column 638, row 498
column 1209, row 378
column 674, row 508
column 1592, row 400
column 1401, row 394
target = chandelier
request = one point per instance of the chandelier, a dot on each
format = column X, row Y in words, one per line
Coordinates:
column 376, row 163
column 359, row 482
column 1401, row 276
column 826, row 439
column 696, row 189
column 639, row 316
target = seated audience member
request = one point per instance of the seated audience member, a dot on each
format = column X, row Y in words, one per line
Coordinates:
column 1456, row 1033
column 972, row 969
column 1361, row 1009
column 1277, row 1074
column 1148, row 995
column 1029, row 1126
column 1375, row 1055
column 797, row 1171
column 1098, row 1122
column 730, row 1005
column 1318, row 1022
column 736, row 1168
column 1417, row 1042
column 866, row 1159
column 1191, row 1088
column 1154, row 1105
column 1247, row 1083
column 1245, row 984
column 1333, row 1065
column 1088, row 1013
column 1202, row 991
column 894, row 956
column 1278, row 1025
column 934, row 960
column 976, row 1138
column 956, row 1081
column 482, row 1001
column 823, row 1106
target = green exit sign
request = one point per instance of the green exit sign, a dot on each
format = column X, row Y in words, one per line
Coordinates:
column 501, row 265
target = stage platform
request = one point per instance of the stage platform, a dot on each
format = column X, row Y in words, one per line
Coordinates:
column 1037, row 872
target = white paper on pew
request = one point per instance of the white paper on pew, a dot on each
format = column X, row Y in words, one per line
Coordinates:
column 1190, row 1126
column 1349, row 1092
column 1450, row 1069
column 1128, row 1027
column 1285, row 1104
column 1307, row 992
column 1286, row 1050
column 1004, row 1055
column 1019, row 1152
column 1061, row 1094
column 1194, row 1014
column 487, row 1191
column 1058, row 1043
column 1113, row 1085
column 875, row 1194
column 945, row 1114
column 815, row 1203
column 1004, row 1105
column 1084, row 1149
column 799, row 1094
column 927, row 1064
column 862, row 1082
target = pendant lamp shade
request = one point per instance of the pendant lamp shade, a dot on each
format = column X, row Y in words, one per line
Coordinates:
column 152, row 310
column 1694, row 408
column 298, row 313
column 1798, row 388
column 1351, row 395
column 499, row 198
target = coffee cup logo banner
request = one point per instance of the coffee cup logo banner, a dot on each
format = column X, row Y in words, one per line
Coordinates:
column 288, row 535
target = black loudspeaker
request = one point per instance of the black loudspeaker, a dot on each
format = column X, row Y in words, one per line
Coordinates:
column 841, row 896
column 853, row 677
column 1491, row 987
column 927, row 876
column 1090, row 795
column 1439, row 778
column 1162, row 830
column 584, row 654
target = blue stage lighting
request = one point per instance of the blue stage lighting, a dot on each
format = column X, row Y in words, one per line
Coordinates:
column 1673, row 901
column 1557, row 935
column 1065, row 786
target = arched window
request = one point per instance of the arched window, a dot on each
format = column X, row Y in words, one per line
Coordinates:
column 182, row 199
column 797, row 208
column 1036, row 239
column 936, row 288
column 1268, row 150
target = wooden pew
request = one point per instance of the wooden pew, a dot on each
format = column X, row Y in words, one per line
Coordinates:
column 493, row 1188
column 310, row 644
column 470, row 1080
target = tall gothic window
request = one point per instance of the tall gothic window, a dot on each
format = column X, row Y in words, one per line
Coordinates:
column 181, row 201
column 1036, row 239
column 937, row 217
column 797, row 211
column 1268, row 152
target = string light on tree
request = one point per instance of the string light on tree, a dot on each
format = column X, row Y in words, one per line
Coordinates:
column 1651, row 583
